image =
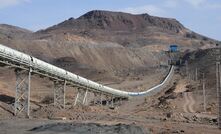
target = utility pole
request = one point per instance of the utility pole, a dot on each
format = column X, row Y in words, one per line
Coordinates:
column 204, row 94
column 217, row 78
column 218, row 86
column 196, row 74
column 219, row 96
column 218, row 82
column 189, row 74
column 187, row 68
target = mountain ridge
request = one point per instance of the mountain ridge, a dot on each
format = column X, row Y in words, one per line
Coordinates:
column 118, row 21
column 126, row 29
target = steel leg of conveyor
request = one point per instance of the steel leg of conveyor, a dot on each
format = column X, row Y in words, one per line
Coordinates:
column 59, row 94
column 101, row 100
column 85, row 98
column 81, row 97
column 112, row 101
column 94, row 100
column 76, row 99
column 107, row 101
column 22, row 96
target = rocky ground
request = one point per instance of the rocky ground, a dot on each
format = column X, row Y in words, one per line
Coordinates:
column 175, row 110
column 129, row 53
column 166, row 112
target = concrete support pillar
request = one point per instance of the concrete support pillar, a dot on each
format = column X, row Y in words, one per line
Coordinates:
column 22, row 97
column 59, row 94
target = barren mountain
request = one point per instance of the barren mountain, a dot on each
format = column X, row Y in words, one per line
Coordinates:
column 129, row 30
column 123, row 51
column 117, row 21
column 104, row 44
column 13, row 30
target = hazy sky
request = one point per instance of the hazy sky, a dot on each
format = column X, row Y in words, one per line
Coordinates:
column 202, row 16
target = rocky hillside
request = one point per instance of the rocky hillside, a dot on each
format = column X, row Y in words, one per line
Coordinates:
column 205, row 63
column 129, row 30
column 12, row 31
column 117, row 21
column 106, row 44
column 9, row 33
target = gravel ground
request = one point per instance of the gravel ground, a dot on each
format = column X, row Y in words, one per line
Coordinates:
column 33, row 126
column 88, row 128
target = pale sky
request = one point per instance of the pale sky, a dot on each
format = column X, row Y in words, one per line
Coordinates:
column 202, row 16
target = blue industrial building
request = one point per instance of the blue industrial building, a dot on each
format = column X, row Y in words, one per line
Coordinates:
column 173, row 48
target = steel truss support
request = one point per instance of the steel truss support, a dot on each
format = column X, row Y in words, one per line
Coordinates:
column 117, row 101
column 112, row 101
column 120, row 101
column 101, row 99
column 81, row 97
column 108, row 101
column 95, row 100
column 98, row 98
column 85, row 98
column 59, row 94
column 22, row 96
